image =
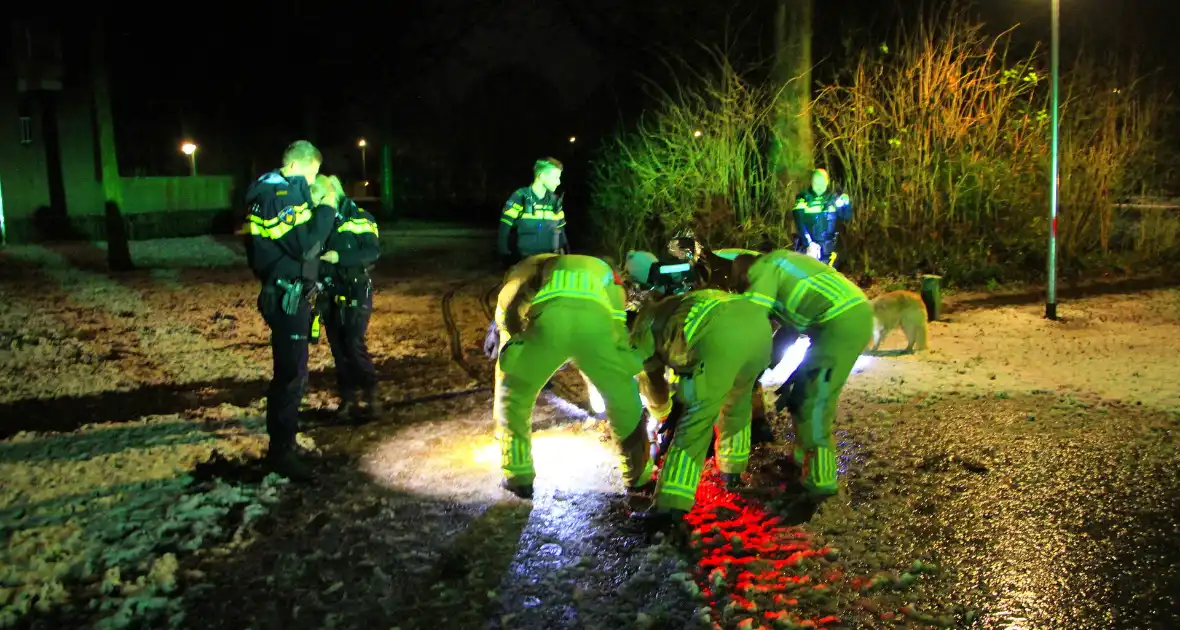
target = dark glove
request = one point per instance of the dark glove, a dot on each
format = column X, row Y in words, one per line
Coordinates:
column 667, row 429
column 491, row 342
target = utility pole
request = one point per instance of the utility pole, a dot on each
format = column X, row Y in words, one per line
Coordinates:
column 1051, row 292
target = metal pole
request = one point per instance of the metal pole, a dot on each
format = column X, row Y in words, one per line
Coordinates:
column 3, row 231
column 387, row 181
column 1055, row 53
column 192, row 161
column 364, row 168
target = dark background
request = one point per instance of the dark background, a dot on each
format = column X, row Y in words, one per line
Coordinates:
column 469, row 93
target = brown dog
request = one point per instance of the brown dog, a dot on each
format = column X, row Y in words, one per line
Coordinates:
column 904, row 309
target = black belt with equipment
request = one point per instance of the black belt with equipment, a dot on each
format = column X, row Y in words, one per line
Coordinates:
column 293, row 291
column 343, row 298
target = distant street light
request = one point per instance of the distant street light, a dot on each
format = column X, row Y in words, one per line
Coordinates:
column 364, row 166
column 190, row 150
column 698, row 133
column 573, row 139
column 1055, row 54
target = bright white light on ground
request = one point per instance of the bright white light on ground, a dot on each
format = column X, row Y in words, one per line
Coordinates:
column 597, row 404
column 567, row 408
column 791, row 360
column 563, row 459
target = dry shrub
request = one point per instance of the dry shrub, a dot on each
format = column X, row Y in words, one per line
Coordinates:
column 944, row 140
column 663, row 177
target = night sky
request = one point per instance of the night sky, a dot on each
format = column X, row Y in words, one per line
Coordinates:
column 455, row 84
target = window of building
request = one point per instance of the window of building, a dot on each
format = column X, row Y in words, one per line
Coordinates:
column 25, row 112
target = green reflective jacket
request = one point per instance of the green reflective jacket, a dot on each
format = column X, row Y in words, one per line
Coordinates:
column 800, row 290
column 666, row 331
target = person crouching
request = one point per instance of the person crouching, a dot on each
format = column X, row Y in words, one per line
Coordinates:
column 719, row 344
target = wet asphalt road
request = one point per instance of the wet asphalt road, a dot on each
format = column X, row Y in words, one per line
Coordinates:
column 1043, row 511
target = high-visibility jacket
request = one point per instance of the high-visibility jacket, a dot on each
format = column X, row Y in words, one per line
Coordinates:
column 532, row 225
column 816, row 216
column 355, row 239
column 666, row 331
column 286, row 231
column 539, row 279
column 800, row 290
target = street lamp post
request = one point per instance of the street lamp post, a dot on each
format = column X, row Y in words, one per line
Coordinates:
column 190, row 150
column 364, row 167
column 1055, row 50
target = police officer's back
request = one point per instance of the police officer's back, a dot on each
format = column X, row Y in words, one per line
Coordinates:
column 287, row 230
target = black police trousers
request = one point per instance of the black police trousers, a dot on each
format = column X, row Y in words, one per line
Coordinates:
column 346, row 325
column 288, row 345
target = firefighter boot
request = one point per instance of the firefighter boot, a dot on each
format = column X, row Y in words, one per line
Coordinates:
column 667, row 521
column 523, row 491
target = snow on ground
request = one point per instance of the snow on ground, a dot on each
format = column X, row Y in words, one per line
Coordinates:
column 1118, row 347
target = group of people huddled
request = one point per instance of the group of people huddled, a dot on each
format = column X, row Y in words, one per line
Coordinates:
column 692, row 359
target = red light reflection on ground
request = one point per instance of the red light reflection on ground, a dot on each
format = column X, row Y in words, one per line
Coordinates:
column 752, row 566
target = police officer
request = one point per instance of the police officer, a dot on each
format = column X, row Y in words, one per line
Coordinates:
column 555, row 309
column 719, row 344
column 816, row 211
column 346, row 300
column 533, row 221
column 288, row 228
column 836, row 316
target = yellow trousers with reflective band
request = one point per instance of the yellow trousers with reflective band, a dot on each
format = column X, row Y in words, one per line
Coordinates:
column 505, row 337
column 733, row 350
column 562, row 330
column 813, row 392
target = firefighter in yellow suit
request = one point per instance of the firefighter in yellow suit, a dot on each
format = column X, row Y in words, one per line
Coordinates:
column 719, row 344
column 553, row 309
column 834, row 313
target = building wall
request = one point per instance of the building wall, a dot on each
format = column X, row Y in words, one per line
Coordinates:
column 78, row 143
column 52, row 186
column 177, row 194
column 55, row 175
column 23, row 171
